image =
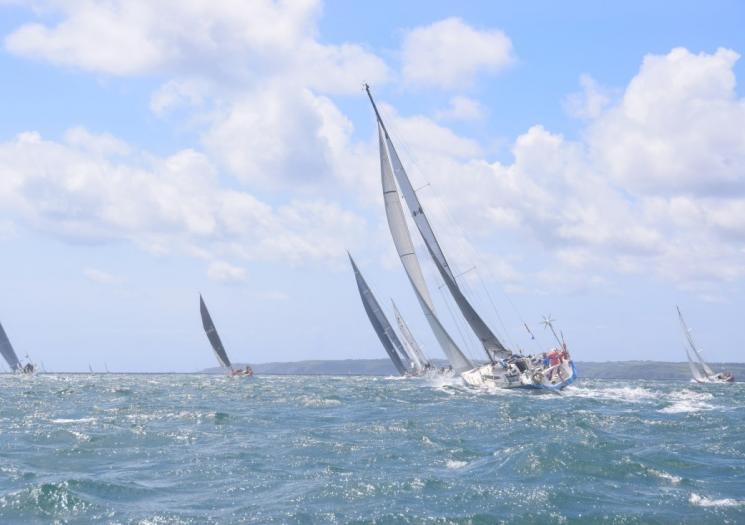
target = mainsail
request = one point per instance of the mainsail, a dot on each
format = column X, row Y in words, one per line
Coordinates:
column 692, row 344
column 211, row 331
column 380, row 323
column 405, row 248
column 7, row 350
column 695, row 372
column 412, row 347
column 493, row 346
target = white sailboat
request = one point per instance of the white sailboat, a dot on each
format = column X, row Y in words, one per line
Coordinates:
column 6, row 349
column 216, row 343
column 700, row 371
column 552, row 370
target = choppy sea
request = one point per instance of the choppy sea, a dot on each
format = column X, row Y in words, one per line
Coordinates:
column 198, row 449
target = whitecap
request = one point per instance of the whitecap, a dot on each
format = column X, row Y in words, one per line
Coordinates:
column 672, row 478
column 688, row 401
column 455, row 464
column 81, row 420
column 703, row 501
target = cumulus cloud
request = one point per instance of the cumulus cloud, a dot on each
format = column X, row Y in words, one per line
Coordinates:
column 162, row 204
column 462, row 108
column 655, row 186
column 450, row 53
column 588, row 103
column 223, row 272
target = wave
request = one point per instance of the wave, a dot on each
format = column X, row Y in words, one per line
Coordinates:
column 702, row 501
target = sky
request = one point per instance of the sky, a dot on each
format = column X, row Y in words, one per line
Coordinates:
column 579, row 159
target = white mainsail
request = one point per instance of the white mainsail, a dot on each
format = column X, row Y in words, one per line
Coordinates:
column 695, row 372
column 492, row 345
column 407, row 254
column 412, row 346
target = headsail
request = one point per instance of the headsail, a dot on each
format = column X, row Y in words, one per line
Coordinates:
column 420, row 360
column 211, row 331
column 695, row 372
column 692, row 344
column 405, row 248
column 7, row 350
column 380, row 323
column 493, row 346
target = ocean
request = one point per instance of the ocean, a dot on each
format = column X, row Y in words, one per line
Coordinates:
column 202, row 449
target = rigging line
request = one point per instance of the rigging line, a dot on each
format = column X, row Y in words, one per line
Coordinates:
column 496, row 311
column 466, row 344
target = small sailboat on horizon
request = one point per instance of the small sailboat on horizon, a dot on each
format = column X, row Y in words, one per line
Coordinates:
column 701, row 372
column 217, row 346
column 6, row 348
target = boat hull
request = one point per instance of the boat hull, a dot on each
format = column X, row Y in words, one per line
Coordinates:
column 494, row 376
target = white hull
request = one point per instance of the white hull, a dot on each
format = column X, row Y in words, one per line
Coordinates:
column 493, row 376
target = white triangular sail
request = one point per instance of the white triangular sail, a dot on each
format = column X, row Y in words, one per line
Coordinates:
column 697, row 375
column 420, row 360
column 492, row 345
column 692, row 344
column 407, row 254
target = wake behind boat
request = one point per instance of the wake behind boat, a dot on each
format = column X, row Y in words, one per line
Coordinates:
column 217, row 347
column 700, row 371
column 549, row 371
column 11, row 358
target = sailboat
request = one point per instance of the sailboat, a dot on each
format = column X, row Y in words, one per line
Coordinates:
column 11, row 358
column 219, row 349
column 700, row 371
column 420, row 363
column 388, row 338
column 552, row 370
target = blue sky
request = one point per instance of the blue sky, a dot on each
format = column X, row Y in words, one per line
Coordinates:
column 588, row 159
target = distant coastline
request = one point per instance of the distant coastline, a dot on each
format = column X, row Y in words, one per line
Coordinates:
column 586, row 369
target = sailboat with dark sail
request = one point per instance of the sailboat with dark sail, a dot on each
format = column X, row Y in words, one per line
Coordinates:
column 217, row 347
column 385, row 332
column 700, row 371
column 552, row 370
column 11, row 358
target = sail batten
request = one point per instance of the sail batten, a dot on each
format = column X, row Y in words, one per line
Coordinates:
column 382, row 327
column 212, row 335
column 7, row 350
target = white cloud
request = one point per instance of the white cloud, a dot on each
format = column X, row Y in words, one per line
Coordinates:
column 588, row 103
column 450, row 53
column 223, row 272
column 462, row 108
column 101, row 277
column 170, row 204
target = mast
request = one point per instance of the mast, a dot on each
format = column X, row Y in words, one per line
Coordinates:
column 383, row 328
column 7, row 350
column 492, row 345
column 214, row 338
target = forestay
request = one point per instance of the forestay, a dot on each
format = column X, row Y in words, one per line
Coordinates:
column 211, row 331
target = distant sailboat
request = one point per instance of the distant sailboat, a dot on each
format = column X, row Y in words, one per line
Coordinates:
column 10, row 355
column 700, row 371
column 219, row 349
column 553, row 370
column 382, row 327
